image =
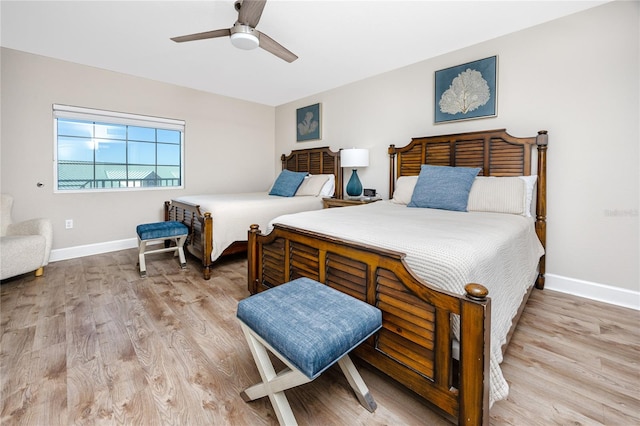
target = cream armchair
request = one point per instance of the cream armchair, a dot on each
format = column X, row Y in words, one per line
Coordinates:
column 24, row 246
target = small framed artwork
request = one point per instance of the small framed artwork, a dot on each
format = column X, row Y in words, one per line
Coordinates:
column 467, row 91
column 308, row 123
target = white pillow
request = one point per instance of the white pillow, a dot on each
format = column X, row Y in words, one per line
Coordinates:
column 312, row 185
column 329, row 187
column 530, row 184
column 404, row 189
column 498, row 195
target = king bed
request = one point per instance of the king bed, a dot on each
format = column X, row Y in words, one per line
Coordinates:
column 218, row 222
column 451, row 284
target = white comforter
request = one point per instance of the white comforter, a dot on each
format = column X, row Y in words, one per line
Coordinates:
column 233, row 213
column 449, row 250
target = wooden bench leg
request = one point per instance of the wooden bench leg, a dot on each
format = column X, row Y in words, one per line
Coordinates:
column 180, row 250
column 357, row 384
column 273, row 384
column 141, row 262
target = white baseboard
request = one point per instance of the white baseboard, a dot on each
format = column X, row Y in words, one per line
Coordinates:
column 594, row 291
column 91, row 249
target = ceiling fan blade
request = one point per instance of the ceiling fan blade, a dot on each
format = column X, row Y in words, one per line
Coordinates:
column 250, row 12
column 202, row 36
column 272, row 46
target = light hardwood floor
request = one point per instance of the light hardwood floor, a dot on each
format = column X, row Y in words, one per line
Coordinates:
column 92, row 343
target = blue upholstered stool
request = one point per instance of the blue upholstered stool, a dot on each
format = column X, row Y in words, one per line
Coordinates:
column 170, row 230
column 310, row 327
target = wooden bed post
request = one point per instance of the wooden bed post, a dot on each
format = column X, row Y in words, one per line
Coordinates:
column 167, row 217
column 542, row 141
column 167, row 208
column 474, row 356
column 392, row 162
column 207, row 243
column 252, row 259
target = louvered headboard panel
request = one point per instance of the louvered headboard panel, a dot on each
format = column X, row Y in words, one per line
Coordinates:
column 315, row 161
column 495, row 151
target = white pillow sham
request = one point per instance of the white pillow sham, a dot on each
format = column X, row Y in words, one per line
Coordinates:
column 312, row 185
column 497, row 195
column 318, row 185
column 404, row 189
column 329, row 188
column 530, row 184
column 406, row 184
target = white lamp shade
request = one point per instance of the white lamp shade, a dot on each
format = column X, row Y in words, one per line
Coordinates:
column 354, row 157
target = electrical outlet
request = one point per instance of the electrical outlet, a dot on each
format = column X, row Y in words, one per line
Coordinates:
column 68, row 224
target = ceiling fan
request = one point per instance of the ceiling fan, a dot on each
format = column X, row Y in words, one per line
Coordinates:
column 243, row 34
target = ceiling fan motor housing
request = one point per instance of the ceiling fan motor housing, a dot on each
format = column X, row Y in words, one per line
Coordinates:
column 244, row 37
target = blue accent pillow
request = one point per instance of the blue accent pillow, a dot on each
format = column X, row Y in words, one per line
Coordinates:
column 443, row 187
column 287, row 183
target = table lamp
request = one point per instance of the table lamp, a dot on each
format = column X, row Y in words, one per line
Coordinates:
column 354, row 158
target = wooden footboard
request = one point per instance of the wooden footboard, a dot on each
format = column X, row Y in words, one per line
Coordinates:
column 199, row 242
column 414, row 345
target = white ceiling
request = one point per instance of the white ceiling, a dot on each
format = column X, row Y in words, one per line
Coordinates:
column 337, row 42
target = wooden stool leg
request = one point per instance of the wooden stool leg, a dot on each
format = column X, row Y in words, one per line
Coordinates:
column 180, row 243
column 141, row 262
column 286, row 379
column 357, row 384
column 273, row 385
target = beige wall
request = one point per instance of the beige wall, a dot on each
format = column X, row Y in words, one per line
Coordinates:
column 576, row 77
column 216, row 126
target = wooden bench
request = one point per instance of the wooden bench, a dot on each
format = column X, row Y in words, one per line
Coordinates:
column 161, row 231
column 310, row 327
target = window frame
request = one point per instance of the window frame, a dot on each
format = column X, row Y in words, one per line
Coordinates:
column 117, row 118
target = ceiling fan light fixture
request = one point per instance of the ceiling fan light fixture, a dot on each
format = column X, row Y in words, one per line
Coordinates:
column 246, row 41
column 243, row 34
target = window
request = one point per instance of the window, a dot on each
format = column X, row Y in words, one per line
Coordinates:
column 103, row 150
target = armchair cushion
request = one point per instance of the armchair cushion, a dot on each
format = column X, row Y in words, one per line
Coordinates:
column 24, row 246
column 21, row 254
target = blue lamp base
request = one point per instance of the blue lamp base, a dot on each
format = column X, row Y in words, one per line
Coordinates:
column 354, row 187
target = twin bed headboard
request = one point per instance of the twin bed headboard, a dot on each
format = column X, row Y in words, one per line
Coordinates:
column 315, row 161
column 496, row 152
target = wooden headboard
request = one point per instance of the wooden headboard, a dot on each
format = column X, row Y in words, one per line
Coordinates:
column 315, row 161
column 495, row 151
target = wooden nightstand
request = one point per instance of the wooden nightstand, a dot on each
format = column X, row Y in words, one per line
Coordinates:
column 344, row 202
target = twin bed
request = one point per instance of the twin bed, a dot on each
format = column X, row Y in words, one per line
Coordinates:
column 218, row 223
column 451, row 284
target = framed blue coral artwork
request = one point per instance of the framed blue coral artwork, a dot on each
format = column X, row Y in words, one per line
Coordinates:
column 308, row 123
column 467, row 91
